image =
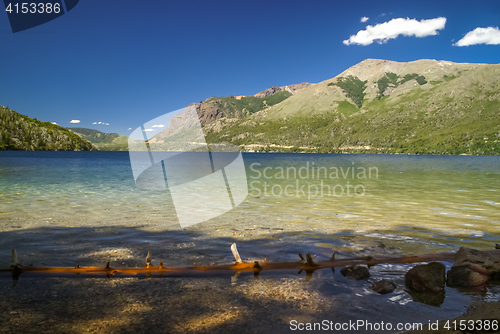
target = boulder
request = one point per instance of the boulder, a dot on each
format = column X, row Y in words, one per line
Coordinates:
column 489, row 260
column 355, row 272
column 473, row 267
column 384, row 286
column 467, row 275
column 426, row 277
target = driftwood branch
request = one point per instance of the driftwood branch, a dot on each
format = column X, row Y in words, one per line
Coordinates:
column 236, row 254
column 306, row 264
column 15, row 262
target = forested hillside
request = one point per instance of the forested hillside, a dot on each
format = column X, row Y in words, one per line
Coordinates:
column 19, row 132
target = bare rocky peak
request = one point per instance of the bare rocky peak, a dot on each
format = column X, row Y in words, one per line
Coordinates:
column 291, row 88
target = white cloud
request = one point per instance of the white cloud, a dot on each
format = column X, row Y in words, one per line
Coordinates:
column 364, row 19
column 129, row 129
column 54, row 123
column 383, row 32
column 75, row 121
column 101, row 123
column 147, row 130
column 489, row 36
column 158, row 126
column 94, row 123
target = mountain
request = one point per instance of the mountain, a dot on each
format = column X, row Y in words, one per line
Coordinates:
column 379, row 106
column 183, row 132
column 241, row 106
column 104, row 141
column 19, row 132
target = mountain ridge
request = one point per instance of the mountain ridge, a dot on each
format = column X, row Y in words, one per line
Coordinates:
column 376, row 106
column 424, row 106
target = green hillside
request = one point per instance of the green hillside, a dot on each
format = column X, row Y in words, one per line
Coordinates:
column 19, row 132
column 378, row 106
column 105, row 141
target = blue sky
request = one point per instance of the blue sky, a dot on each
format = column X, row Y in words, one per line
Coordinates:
column 125, row 62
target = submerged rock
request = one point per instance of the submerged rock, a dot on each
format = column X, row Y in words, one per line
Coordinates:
column 426, row 277
column 355, row 272
column 379, row 249
column 384, row 286
column 428, row 298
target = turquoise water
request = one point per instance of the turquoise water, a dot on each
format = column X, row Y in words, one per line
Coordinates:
column 416, row 203
column 63, row 208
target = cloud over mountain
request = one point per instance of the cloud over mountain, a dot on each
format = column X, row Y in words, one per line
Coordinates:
column 383, row 32
column 489, row 36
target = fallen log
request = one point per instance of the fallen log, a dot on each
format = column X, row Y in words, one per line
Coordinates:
column 307, row 264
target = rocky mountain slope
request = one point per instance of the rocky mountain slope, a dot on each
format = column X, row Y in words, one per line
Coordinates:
column 215, row 108
column 424, row 106
column 19, row 132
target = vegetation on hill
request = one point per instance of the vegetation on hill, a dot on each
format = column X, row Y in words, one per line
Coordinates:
column 391, row 80
column 353, row 87
column 248, row 104
column 420, row 79
column 105, row 141
column 19, row 132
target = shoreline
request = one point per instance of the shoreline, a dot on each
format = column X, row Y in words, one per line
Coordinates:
column 290, row 151
column 186, row 305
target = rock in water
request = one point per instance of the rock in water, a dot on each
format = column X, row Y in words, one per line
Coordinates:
column 426, row 277
column 467, row 275
column 384, row 286
column 355, row 272
column 473, row 267
column 489, row 260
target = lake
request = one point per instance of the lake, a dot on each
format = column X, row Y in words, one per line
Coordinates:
column 62, row 208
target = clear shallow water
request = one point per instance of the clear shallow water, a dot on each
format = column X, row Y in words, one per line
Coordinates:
column 416, row 203
column 58, row 208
